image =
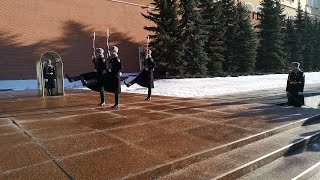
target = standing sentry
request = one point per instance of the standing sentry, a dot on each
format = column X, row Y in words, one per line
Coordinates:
column 295, row 86
column 49, row 73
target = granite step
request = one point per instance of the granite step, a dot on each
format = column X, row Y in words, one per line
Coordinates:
column 312, row 173
column 298, row 165
column 241, row 161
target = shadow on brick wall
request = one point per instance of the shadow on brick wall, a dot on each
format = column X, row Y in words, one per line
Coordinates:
column 17, row 60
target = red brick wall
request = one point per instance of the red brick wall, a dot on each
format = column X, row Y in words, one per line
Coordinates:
column 29, row 28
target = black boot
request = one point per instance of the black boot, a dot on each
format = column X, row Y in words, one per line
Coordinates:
column 149, row 94
column 51, row 92
column 69, row 78
column 116, row 102
column 84, row 82
column 102, row 104
column 102, row 98
column 116, row 106
column 127, row 84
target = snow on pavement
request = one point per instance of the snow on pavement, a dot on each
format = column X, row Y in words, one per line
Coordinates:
column 190, row 87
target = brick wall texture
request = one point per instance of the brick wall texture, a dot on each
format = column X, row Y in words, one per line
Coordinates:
column 29, row 28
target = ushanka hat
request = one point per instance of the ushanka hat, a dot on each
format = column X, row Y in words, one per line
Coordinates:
column 295, row 64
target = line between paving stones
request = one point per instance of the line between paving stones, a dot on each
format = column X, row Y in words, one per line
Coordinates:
column 21, row 168
column 184, row 162
column 8, row 115
column 59, row 118
column 43, row 149
column 138, row 147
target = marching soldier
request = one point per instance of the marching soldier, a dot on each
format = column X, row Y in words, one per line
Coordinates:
column 103, row 79
column 100, row 65
column 94, row 80
column 145, row 78
column 49, row 76
column 295, row 86
column 112, row 78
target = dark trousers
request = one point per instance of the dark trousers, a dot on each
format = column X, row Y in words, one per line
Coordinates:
column 295, row 100
column 116, row 99
column 50, row 92
column 102, row 99
column 149, row 92
column 149, row 88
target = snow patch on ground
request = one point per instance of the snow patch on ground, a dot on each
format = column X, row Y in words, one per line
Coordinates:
column 190, row 87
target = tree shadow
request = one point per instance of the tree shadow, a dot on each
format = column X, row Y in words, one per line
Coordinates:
column 267, row 113
column 74, row 47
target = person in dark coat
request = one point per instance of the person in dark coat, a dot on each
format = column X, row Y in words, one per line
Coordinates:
column 100, row 64
column 49, row 74
column 112, row 78
column 94, row 80
column 295, row 86
column 145, row 78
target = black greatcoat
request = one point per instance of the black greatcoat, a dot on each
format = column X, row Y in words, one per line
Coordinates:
column 96, row 79
column 50, row 74
column 145, row 78
column 100, row 65
column 295, row 84
column 112, row 79
column 91, row 76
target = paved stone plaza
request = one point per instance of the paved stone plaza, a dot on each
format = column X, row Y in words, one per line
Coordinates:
column 71, row 137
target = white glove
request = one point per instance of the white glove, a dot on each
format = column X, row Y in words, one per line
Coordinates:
column 300, row 93
column 109, row 70
column 120, row 73
column 146, row 69
column 46, row 80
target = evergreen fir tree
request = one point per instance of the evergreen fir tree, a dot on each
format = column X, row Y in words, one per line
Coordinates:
column 215, row 47
column 307, row 41
column 299, row 25
column 317, row 46
column 314, row 42
column 271, row 55
column 246, row 41
column 299, row 29
column 194, row 37
column 230, row 17
column 292, row 48
column 166, row 36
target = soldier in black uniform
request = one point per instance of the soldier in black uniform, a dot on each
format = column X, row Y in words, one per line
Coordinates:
column 49, row 74
column 145, row 78
column 94, row 80
column 295, row 86
column 112, row 78
column 100, row 65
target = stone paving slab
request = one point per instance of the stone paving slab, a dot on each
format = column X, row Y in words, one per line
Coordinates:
column 47, row 170
column 71, row 137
